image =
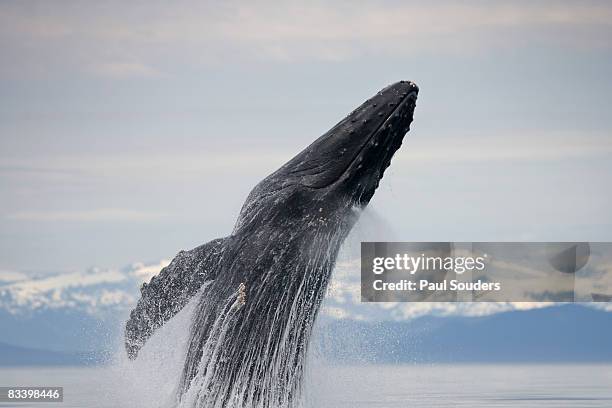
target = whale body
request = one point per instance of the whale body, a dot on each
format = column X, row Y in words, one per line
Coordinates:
column 259, row 289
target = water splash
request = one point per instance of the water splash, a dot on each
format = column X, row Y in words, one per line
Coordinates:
column 152, row 380
column 248, row 348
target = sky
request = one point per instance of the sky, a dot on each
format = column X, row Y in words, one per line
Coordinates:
column 131, row 131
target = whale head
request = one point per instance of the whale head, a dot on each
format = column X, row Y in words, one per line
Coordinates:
column 341, row 169
column 259, row 289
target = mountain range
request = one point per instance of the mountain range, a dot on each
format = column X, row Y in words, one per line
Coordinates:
column 76, row 318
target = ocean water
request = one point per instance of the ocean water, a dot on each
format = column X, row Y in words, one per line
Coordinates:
column 353, row 386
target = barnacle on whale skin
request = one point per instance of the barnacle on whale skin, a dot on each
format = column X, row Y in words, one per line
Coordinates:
column 241, row 294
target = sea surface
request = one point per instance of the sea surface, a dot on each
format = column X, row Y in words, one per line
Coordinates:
column 354, row 386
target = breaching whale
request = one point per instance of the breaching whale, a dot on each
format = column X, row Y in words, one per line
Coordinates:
column 259, row 289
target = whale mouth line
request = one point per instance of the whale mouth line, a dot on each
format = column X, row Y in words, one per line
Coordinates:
column 412, row 95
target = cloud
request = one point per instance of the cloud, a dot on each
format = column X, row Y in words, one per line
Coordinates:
column 202, row 163
column 12, row 276
column 96, row 215
column 522, row 145
column 125, row 70
column 124, row 40
column 403, row 28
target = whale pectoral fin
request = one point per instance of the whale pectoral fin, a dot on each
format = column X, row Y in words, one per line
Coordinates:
column 170, row 290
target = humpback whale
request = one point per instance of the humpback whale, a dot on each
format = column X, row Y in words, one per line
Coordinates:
column 259, row 289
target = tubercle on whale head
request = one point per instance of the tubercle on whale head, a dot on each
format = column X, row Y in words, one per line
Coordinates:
column 346, row 163
column 377, row 146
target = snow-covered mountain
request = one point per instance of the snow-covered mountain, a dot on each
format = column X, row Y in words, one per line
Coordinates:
column 100, row 293
column 82, row 311
column 96, row 292
column 70, row 314
column 77, row 311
